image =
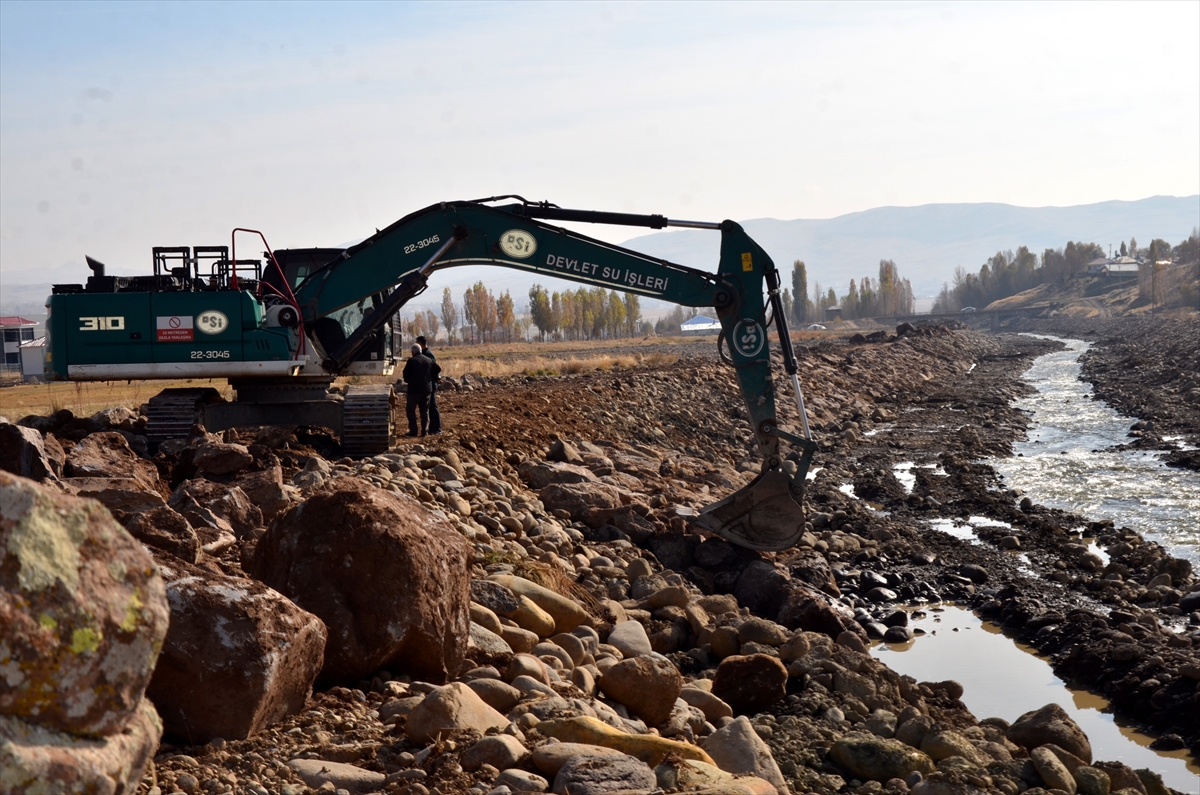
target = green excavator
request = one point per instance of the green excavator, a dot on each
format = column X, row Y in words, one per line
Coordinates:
column 282, row 328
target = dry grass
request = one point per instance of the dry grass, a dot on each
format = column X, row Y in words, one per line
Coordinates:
column 493, row 367
column 490, row 361
column 86, row 398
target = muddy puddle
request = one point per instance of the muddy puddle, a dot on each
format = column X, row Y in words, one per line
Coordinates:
column 1004, row 679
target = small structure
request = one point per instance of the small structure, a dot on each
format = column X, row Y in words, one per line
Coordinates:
column 833, row 313
column 699, row 326
column 33, row 360
column 1115, row 266
column 15, row 331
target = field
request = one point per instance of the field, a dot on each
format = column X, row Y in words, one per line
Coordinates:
column 489, row 361
column 492, row 360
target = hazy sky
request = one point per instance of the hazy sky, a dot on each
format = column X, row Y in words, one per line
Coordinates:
column 129, row 125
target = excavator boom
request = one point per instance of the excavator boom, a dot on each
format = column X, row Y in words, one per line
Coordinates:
column 283, row 332
column 764, row 515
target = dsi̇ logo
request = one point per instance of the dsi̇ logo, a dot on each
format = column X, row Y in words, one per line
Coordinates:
column 748, row 337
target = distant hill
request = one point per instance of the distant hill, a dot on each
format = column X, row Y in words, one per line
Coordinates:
column 927, row 242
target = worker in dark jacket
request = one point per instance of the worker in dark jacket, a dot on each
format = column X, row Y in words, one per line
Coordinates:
column 435, row 416
column 418, row 375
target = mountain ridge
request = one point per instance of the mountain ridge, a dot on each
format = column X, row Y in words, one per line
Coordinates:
column 926, row 241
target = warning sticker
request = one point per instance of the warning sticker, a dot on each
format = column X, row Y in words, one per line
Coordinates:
column 175, row 328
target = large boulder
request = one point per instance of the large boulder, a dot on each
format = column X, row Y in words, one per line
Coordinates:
column 83, row 612
column 238, row 656
column 585, row 774
column 1050, row 724
column 866, row 756
column 750, row 683
column 163, row 528
column 108, row 455
column 213, row 457
column 390, row 580
column 580, row 499
column 267, row 490
column 143, row 513
column 23, row 452
column 451, row 709
column 118, row 495
column 213, row 508
column 805, row 607
column 738, row 749
column 647, row 685
column 36, row 759
column 761, row 588
column 540, row 474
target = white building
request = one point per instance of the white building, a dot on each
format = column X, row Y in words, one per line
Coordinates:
column 15, row 330
column 699, row 326
column 33, row 360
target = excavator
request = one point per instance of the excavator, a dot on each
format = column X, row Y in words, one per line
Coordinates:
column 283, row 327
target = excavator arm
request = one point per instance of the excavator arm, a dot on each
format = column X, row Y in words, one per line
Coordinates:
column 764, row 515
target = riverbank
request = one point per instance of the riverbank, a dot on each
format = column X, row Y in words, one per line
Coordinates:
column 902, row 424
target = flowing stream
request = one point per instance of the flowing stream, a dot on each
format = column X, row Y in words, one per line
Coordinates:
column 1068, row 462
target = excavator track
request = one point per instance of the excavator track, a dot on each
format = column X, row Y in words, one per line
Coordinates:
column 367, row 420
column 172, row 413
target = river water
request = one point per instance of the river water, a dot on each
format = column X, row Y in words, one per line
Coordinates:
column 1068, row 462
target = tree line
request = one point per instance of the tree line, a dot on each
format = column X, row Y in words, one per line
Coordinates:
column 581, row 314
column 887, row 295
column 586, row 313
column 1007, row 273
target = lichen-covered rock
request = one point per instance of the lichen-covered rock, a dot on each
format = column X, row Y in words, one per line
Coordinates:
column 595, row 775
column 83, row 612
column 36, row 760
column 389, row 579
column 237, row 658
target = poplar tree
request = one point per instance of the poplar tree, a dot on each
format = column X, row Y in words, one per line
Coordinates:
column 799, row 291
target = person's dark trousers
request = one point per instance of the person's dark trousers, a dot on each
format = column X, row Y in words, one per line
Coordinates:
column 414, row 405
column 435, row 416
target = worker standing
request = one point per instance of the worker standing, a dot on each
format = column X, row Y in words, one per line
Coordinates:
column 435, row 416
column 418, row 375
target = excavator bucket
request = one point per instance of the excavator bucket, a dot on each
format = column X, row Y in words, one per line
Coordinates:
column 765, row 515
